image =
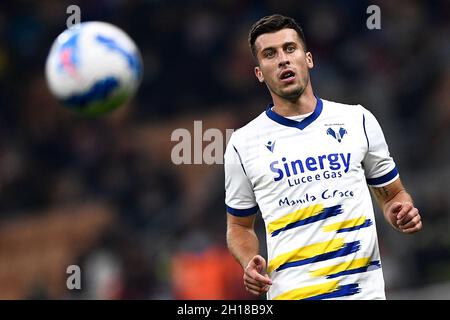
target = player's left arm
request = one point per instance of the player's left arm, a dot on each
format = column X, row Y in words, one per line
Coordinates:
column 398, row 207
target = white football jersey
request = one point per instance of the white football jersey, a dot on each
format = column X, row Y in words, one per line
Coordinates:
column 309, row 180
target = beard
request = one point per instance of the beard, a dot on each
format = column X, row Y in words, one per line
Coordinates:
column 291, row 94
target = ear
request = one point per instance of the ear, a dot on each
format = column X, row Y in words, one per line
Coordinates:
column 309, row 60
column 259, row 74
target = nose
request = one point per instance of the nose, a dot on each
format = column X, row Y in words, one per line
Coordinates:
column 283, row 59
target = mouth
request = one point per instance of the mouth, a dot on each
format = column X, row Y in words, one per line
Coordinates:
column 287, row 76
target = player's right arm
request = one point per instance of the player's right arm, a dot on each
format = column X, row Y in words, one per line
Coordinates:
column 243, row 244
column 241, row 213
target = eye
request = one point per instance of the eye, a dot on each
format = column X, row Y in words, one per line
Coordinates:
column 290, row 48
column 269, row 54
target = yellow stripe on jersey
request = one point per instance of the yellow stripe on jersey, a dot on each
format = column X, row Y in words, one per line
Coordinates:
column 294, row 216
column 309, row 291
column 345, row 224
column 347, row 265
column 305, row 252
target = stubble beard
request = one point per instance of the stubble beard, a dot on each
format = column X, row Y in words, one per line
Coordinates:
column 294, row 94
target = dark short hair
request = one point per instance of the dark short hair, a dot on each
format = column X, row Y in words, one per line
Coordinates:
column 270, row 24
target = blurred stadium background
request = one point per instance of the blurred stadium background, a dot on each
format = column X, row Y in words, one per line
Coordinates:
column 103, row 193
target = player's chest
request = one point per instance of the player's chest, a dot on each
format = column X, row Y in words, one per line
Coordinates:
column 329, row 149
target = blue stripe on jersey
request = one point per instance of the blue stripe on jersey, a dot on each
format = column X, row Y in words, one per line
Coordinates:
column 345, row 290
column 296, row 124
column 376, row 264
column 347, row 249
column 325, row 214
column 380, row 180
column 365, row 132
column 366, row 224
column 240, row 159
column 242, row 212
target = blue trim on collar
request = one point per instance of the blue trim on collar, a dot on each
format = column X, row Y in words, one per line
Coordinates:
column 293, row 123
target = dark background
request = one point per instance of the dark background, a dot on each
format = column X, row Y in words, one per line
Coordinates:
column 104, row 194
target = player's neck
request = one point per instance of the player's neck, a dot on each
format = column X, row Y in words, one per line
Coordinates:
column 306, row 103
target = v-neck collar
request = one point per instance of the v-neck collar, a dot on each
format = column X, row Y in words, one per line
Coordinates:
column 293, row 123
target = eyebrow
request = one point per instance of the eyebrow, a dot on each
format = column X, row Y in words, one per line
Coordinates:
column 284, row 45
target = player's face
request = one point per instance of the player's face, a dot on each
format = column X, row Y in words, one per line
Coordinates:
column 283, row 63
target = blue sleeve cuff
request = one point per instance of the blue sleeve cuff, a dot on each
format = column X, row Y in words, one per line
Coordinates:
column 383, row 179
column 242, row 212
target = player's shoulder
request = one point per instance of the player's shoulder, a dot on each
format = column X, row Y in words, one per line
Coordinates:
column 352, row 112
column 339, row 107
column 249, row 130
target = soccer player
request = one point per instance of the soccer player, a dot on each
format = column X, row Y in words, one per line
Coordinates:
column 306, row 163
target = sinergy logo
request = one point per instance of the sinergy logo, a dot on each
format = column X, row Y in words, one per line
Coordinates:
column 332, row 161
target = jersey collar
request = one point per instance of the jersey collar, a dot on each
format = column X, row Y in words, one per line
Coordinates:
column 293, row 123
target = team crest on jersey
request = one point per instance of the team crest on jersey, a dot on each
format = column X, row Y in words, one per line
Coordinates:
column 338, row 135
column 270, row 145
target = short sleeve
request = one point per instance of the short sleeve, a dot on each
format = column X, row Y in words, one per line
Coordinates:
column 379, row 166
column 239, row 196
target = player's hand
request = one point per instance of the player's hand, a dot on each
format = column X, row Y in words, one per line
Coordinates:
column 256, row 280
column 405, row 217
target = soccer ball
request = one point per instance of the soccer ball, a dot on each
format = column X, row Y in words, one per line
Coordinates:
column 93, row 68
